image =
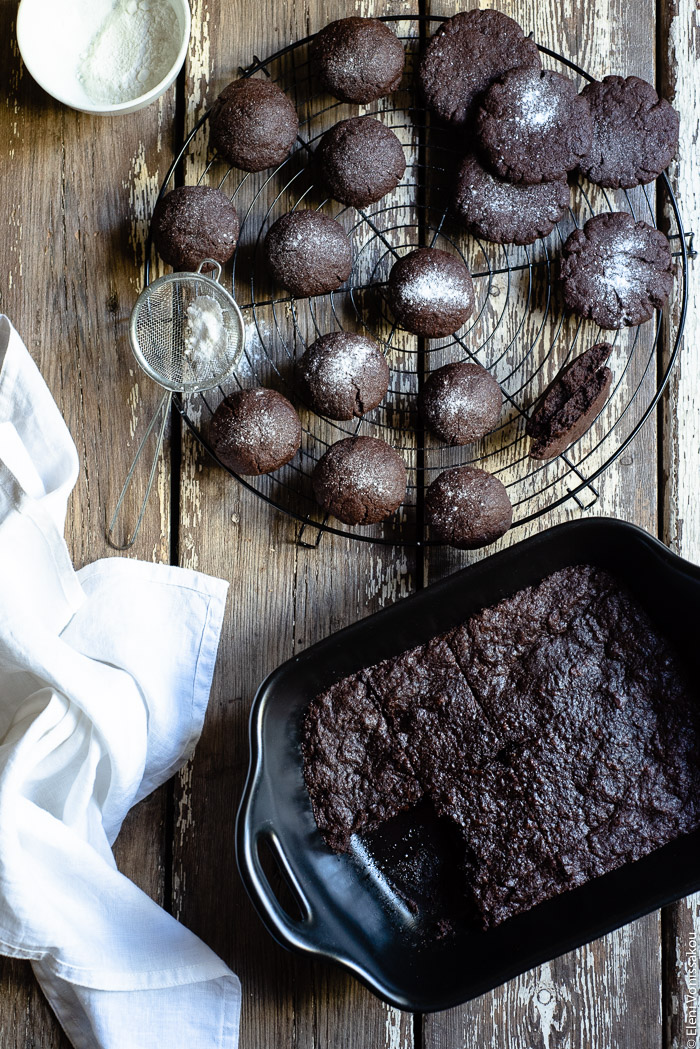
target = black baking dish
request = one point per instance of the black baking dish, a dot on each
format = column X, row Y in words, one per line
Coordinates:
column 352, row 908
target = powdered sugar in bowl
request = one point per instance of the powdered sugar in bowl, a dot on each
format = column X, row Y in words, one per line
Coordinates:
column 104, row 56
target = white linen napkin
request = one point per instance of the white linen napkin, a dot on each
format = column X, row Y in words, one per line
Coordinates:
column 104, row 679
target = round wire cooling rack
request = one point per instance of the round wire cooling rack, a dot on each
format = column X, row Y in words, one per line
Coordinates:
column 519, row 329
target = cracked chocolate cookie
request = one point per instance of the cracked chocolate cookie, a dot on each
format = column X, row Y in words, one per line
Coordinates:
column 193, row 223
column 360, row 480
column 253, row 124
column 360, row 160
column 466, row 54
column 570, row 403
column 430, row 292
column 505, row 213
column 461, row 402
column 468, row 507
column 533, row 126
column 357, row 59
column 308, row 253
column 616, row 271
column 344, row 374
column 635, row 133
column 255, row 431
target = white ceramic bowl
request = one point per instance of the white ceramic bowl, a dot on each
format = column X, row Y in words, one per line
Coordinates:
column 52, row 34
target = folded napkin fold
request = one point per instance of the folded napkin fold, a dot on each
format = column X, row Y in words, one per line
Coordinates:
column 104, row 680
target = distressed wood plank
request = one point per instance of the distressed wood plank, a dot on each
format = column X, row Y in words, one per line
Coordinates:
column 680, row 82
column 75, row 195
column 607, row 995
column 283, row 598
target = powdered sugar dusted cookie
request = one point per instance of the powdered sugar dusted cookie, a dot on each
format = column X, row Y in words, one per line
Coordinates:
column 461, row 402
column 466, row 54
column 635, row 133
column 616, row 270
column 503, row 212
column 430, row 292
column 533, row 126
column 357, row 59
column 344, row 374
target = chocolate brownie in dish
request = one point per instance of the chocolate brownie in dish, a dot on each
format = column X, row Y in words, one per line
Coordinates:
column 503, row 212
column 255, row 431
column 357, row 774
column 556, row 731
column 361, row 160
column 460, row 402
column 357, row 59
column 344, row 374
column 467, row 53
column 430, row 292
column 253, row 124
column 467, row 507
column 308, row 253
column 194, row 223
column 616, row 271
column 635, row 133
column 571, row 402
column 533, row 126
column 360, row 480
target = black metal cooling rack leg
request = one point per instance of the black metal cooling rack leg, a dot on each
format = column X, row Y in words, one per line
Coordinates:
column 576, row 496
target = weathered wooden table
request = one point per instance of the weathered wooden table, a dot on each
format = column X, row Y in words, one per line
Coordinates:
column 75, row 198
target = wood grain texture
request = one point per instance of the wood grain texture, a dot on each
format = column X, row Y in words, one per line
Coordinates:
column 606, row 995
column 283, row 598
column 76, row 194
column 680, row 83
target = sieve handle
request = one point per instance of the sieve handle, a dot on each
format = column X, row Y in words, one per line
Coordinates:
column 164, row 408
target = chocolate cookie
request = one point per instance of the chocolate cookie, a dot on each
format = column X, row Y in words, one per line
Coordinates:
column 255, row 431
column 360, row 480
column 635, row 133
column 193, row 223
column 570, row 403
column 253, row 124
column 505, row 213
column 461, row 403
column 430, row 292
column 616, row 270
column 308, row 253
column 465, row 56
column 468, row 507
column 533, row 126
column 360, row 161
column 344, row 374
column 357, row 59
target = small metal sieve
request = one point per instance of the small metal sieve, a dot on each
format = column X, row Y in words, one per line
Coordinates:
column 187, row 334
